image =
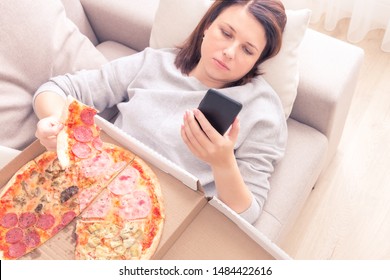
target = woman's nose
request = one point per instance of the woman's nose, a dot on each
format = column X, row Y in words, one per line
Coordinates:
column 229, row 51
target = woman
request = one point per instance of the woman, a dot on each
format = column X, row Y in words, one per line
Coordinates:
column 156, row 91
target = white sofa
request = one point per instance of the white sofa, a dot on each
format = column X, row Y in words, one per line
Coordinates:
column 328, row 73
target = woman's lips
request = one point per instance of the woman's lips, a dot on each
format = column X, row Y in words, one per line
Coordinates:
column 220, row 64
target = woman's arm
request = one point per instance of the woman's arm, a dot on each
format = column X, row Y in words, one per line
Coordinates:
column 48, row 104
column 218, row 152
column 230, row 185
column 100, row 88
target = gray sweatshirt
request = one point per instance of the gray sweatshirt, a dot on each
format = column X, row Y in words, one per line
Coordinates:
column 152, row 96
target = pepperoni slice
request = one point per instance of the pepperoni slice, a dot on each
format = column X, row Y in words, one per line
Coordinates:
column 14, row 235
column 27, row 220
column 83, row 134
column 17, row 250
column 9, row 220
column 87, row 116
column 125, row 182
column 135, row 205
column 97, row 143
column 45, row 221
column 81, row 150
column 32, row 239
column 68, row 217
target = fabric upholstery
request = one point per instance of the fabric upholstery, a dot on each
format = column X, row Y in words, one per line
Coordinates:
column 326, row 86
column 293, row 179
column 75, row 12
column 126, row 22
column 113, row 50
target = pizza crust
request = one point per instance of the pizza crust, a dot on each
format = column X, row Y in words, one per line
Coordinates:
column 62, row 137
column 156, row 190
column 148, row 254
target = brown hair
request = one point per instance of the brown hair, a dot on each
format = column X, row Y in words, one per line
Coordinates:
column 269, row 13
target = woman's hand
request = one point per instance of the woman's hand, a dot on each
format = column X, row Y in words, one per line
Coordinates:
column 207, row 144
column 218, row 151
column 47, row 131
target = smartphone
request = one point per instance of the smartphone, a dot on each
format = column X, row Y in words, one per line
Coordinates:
column 219, row 109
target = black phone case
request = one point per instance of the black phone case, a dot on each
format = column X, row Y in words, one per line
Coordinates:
column 219, row 109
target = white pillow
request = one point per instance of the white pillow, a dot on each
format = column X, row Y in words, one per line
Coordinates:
column 281, row 71
column 37, row 41
column 175, row 20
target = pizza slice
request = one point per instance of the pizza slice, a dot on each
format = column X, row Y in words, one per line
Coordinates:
column 80, row 148
column 35, row 204
column 126, row 220
column 80, row 137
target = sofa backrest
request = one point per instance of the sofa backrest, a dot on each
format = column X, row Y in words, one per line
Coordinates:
column 74, row 11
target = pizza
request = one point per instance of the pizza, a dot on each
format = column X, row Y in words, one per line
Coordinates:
column 114, row 195
column 42, row 197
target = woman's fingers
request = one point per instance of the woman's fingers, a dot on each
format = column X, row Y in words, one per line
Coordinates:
column 192, row 133
column 47, row 131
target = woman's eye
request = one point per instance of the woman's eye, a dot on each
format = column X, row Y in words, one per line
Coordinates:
column 247, row 51
column 225, row 33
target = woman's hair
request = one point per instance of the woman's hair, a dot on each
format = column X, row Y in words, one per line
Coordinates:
column 269, row 13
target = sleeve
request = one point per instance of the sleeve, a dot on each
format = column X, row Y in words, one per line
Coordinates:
column 252, row 213
column 101, row 88
column 265, row 130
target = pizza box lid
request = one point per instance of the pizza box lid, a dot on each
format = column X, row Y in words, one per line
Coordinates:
column 213, row 236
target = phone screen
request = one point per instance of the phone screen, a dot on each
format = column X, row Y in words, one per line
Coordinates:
column 219, row 109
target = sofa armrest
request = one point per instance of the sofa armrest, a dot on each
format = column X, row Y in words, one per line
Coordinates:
column 126, row 22
column 328, row 72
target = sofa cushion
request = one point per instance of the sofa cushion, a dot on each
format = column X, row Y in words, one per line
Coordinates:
column 126, row 22
column 175, row 20
column 75, row 12
column 37, row 41
column 113, row 50
column 292, row 180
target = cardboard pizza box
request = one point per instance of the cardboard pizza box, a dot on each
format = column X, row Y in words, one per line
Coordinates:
column 6, row 155
column 181, row 204
column 196, row 227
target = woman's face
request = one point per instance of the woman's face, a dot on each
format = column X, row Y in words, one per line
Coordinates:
column 231, row 46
